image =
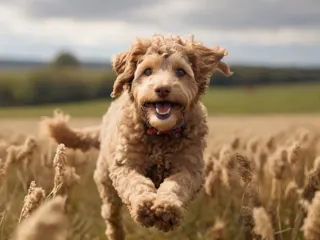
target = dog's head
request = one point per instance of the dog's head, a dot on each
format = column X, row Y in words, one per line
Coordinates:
column 166, row 76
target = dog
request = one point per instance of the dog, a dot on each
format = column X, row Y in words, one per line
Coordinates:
column 152, row 138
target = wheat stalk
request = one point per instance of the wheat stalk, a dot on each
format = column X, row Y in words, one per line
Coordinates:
column 262, row 224
column 32, row 201
column 47, row 222
column 311, row 226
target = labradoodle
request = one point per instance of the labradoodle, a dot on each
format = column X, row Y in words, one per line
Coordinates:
column 153, row 136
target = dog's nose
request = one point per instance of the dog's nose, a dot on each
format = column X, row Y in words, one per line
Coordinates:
column 162, row 91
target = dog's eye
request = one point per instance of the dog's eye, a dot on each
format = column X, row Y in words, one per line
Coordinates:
column 180, row 72
column 148, row 71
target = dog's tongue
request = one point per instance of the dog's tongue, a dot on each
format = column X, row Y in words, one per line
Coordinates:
column 163, row 108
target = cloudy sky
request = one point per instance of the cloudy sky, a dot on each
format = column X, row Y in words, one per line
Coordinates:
column 254, row 31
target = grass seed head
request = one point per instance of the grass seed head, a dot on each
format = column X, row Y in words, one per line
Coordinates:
column 47, row 222
column 311, row 225
column 253, row 194
column 278, row 163
column 59, row 163
column 294, row 153
column 291, row 190
column 245, row 168
column 312, row 181
column 262, row 224
column 226, row 157
column 246, row 218
column 32, row 201
column 235, row 143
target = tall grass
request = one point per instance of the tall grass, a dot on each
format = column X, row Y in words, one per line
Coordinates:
column 258, row 185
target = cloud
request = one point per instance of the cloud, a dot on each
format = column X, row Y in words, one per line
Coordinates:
column 249, row 29
column 261, row 14
column 85, row 9
column 227, row 14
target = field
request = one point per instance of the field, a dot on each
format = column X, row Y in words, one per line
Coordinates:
column 259, row 193
column 274, row 99
column 261, row 173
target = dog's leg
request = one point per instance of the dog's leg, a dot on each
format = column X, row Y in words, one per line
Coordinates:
column 111, row 203
column 179, row 189
column 135, row 190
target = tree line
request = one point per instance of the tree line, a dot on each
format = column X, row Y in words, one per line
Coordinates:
column 65, row 80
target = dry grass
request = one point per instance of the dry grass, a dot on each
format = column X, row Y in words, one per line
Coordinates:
column 262, row 182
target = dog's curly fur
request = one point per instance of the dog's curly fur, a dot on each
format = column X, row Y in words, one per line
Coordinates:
column 155, row 176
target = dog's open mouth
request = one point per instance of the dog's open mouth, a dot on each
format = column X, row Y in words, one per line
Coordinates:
column 163, row 109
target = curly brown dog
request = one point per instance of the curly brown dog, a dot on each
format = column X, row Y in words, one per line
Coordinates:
column 152, row 138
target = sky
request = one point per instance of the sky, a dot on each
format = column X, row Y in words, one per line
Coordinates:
column 262, row 32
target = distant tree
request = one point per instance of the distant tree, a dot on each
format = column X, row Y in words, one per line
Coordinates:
column 65, row 59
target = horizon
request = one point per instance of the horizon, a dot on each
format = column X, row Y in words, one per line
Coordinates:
column 107, row 62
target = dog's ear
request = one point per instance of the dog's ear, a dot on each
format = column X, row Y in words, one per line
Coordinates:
column 206, row 62
column 119, row 62
column 124, row 64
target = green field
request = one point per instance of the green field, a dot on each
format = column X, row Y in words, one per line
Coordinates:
column 279, row 99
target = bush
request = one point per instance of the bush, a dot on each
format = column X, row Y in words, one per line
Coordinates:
column 65, row 60
column 54, row 85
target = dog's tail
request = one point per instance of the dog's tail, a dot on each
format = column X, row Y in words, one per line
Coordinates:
column 58, row 129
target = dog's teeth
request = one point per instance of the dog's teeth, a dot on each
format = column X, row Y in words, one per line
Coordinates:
column 163, row 113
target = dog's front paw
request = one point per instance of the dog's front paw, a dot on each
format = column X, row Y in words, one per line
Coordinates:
column 141, row 210
column 168, row 215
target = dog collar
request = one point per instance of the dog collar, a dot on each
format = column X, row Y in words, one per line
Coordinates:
column 175, row 132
